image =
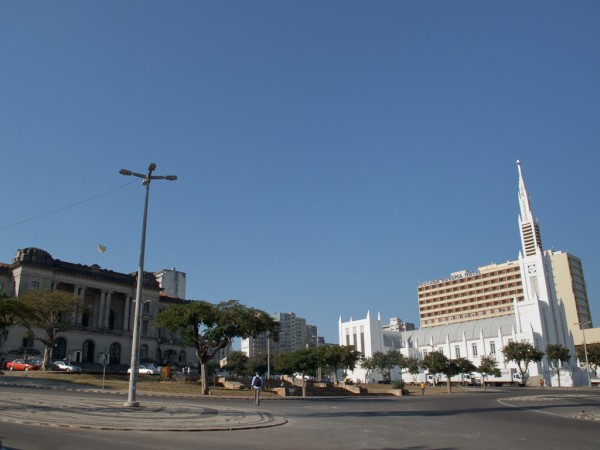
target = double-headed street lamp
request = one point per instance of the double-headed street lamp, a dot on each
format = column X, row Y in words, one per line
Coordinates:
column 587, row 364
column 135, row 344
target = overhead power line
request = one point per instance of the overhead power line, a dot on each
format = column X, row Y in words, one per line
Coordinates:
column 64, row 208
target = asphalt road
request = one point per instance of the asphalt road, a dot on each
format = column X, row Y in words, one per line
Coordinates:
column 510, row 419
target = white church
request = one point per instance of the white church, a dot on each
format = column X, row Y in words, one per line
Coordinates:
column 538, row 317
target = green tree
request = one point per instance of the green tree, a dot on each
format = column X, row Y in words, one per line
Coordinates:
column 336, row 357
column 304, row 361
column 465, row 366
column 437, row 362
column 51, row 312
column 558, row 354
column 523, row 354
column 237, row 363
column 593, row 355
column 412, row 364
column 385, row 362
column 368, row 365
column 9, row 308
column 210, row 327
column 258, row 364
column 407, row 362
column 488, row 366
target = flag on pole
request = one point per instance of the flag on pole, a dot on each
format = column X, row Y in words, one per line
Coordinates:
column 101, row 249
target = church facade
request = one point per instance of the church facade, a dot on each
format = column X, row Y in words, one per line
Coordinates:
column 534, row 314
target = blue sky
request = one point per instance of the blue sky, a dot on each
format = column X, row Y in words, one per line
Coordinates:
column 330, row 155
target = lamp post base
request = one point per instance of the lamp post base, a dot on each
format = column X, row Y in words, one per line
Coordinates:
column 132, row 404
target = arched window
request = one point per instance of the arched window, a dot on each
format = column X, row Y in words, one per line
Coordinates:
column 115, row 354
column 158, row 356
column 181, row 359
column 59, row 350
column 27, row 340
column 143, row 351
column 88, row 350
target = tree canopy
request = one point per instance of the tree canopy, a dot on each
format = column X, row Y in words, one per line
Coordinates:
column 385, row 362
column 336, row 357
column 522, row 353
column 558, row 354
column 237, row 363
column 593, row 355
column 48, row 311
column 9, row 307
column 211, row 327
column 437, row 362
column 488, row 366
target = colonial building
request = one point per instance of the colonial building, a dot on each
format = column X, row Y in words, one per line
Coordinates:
column 471, row 314
column 105, row 326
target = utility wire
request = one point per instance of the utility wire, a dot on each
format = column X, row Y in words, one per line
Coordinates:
column 73, row 205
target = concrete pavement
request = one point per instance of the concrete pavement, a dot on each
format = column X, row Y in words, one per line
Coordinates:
column 73, row 411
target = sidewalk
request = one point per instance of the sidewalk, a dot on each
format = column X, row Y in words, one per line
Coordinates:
column 71, row 411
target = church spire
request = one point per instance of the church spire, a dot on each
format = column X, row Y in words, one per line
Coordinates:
column 530, row 232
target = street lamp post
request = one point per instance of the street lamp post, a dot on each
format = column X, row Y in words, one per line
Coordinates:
column 135, row 342
column 587, row 364
column 268, row 355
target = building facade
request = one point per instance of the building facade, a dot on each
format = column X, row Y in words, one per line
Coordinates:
column 105, row 326
column 294, row 334
column 172, row 282
column 486, row 292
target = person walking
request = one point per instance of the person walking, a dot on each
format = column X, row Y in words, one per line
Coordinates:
column 422, row 388
column 257, row 383
column 542, row 383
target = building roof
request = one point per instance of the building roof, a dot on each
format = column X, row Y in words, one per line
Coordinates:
column 35, row 257
column 471, row 330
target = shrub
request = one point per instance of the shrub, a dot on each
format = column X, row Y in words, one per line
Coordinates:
column 399, row 384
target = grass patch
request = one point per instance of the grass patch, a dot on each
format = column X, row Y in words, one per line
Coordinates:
column 145, row 383
column 155, row 384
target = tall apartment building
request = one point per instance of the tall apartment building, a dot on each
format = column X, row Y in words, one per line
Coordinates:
column 172, row 282
column 397, row 324
column 570, row 288
column 490, row 292
column 294, row 334
column 486, row 292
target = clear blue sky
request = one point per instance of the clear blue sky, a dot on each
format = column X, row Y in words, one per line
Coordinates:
column 330, row 155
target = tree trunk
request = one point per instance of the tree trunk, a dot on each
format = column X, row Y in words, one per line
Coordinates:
column 203, row 379
column 46, row 362
column 449, row 385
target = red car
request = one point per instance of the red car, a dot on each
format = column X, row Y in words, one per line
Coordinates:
column 19, row 364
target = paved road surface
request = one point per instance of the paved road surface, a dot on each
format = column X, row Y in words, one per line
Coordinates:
column 512, row 419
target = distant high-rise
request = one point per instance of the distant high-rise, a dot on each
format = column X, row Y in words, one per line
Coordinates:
column 569, row 284
column 294, row 334
column 172, row 282
column 486, row 292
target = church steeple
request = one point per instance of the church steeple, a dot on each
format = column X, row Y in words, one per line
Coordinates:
column 530, row 231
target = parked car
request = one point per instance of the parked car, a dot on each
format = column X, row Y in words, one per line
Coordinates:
column 24, row 353
column 299, row 376
column 65, row 366
column 146, row 370
column 19, row 364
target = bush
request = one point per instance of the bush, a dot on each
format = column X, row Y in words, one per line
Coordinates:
column 399, row 384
